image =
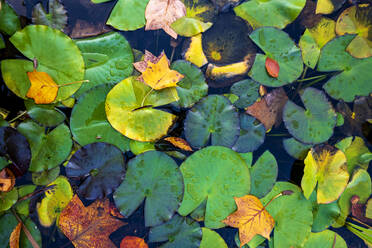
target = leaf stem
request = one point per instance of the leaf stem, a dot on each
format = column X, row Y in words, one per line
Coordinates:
column 26, row 231
column 311, row 78
column 144, row 99
column 313, row 82
column 18, row 116
column 76, row 82
column 278, row 134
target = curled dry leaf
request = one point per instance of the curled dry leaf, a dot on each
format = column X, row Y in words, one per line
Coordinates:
column 14, row 237
column 160, row 14
column 7, row 180
column 43, row 88
column 251, row 218
column 89, row 226
column 272, row 67
column 179, row 142
column 133, row 242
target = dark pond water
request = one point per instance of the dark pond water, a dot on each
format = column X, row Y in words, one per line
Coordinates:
column 94, row 17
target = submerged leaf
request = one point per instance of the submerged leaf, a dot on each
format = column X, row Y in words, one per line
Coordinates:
column 55, row 18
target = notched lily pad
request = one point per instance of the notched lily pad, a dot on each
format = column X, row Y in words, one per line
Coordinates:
column 247, row 91
column 327, row 238
column 45, row 115
column 295, row 148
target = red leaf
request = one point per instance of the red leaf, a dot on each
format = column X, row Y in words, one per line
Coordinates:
column 272, row 67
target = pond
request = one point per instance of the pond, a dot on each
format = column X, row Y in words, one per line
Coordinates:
column 185, row 123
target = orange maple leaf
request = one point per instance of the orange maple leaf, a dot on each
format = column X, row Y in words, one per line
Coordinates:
column 43, row 88
column 133, row 242
column 89, row 226
column 251, row 218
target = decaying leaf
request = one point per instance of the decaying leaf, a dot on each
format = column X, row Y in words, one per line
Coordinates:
column 43, row 88
column 272, row 67
column 7, row 180
column 148, row 57
column 179, row 142
column 358, row 210
column 160, row 14
column 89, row 226
column 269, row 109
column 14, row 237
column 159, row 76
column 55, row 18
column 251, row 218
column 133, row 242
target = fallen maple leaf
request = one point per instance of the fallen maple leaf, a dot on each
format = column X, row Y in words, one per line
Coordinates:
column 160, row 14
column 179, row 142
column 272, row 67
column 147, row 57
column 89, row 226
column 159, row 76
column 14, row 236
column 43, row 88
column 251, row 218
column 7, row 180
column 133, row 242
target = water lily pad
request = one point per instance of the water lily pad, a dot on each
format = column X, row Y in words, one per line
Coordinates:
column 55, row 200
column 192, row 87
column 88, row 121
column 217, row 174
column 128, row 15
column 354, row 76
column 277, row 45
column 212, row 118
column 108, row 59
column 55, row 18
column 180, row 232
column 7, row 199
column 23, row 206
column 328, row 6
column 9, row 21
column 39, row 41
column 48, row 149
column 314, row 39
column 100, row 166
column 263, row 174
column 212, row 239
column 155, row 176
column 325, row 166
column 326, row 238
column 129, row 109
column 276, row 13
column 138, row 147
column 247, row 91
column 46, row 176
column 188, row 26
column 202, row 10
column 24, row 242
column 315, row 123
column 295, row 148
column 6, row 221
column 45, row 115
column 252, row 134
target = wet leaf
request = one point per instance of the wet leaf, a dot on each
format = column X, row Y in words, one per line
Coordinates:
column 133, row 242
column 14, row 236
column 325, row 166
column 7, row 199
column 9, row 21
column 55, row 200
column 7, row 224
column 188, row 27
column 296, row 149
column 7, row 180
column 55, row 18
column 46, row 176
column 247, row 91
column 216, row 174
column 325, row 238
column 99, row 168
column 89, row 226
column 129, row 109
column 251, row 218
column 252, row 134
column 179, row 142
column 154, row 176
column 160, row 14
column 23, row 206
column 43, row 89
column 272, row 67
column 211, row 238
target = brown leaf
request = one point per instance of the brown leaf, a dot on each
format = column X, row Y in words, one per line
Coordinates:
column 89, row 226
column 358, row 210
column 133, row 242
column 251, row 218
column 272, row 67
column 7, row 180
column 14, row 237
column 179, row 142
column 160, row 14
column 269, row 109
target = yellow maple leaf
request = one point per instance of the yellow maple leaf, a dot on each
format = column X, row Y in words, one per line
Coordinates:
column 251, row 218
column 43, row 88
column 159, row 76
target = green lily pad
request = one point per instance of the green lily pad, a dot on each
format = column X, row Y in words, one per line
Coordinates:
column 23, row 206
column 46, row 176
column 24, row 242
column 3, row 162
column 56, row 54
column 155, row 176
column 247, row 91
column 188, row 26
column 255, row 242
column 314, row 39
column 7, row 199
column 2, row 43
column 138, row 147
column 55, row 18
column 128, row 15
column 9, row 21
column 369, row 209
column 211, row 239
column 129, row 109
column 98, row 167
column 45, row 115
column 217, row 174
column 88, row 121
column 212, row 118
column 313, row 125
column 277, row 45
column 325, row 166
column 275, row 13
column 202, row 10
column 295, row 148
column 192, row 87
column 325, row 215
column 7, row 221
column 252, row 134
column 328, row 6
column 359, row 185
column 263, row 174
column 327, row 238
column 180, row 232
column 48, row 149
column 108, row 59
column 55, row 200
column 355, row 149
column 354, row 77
